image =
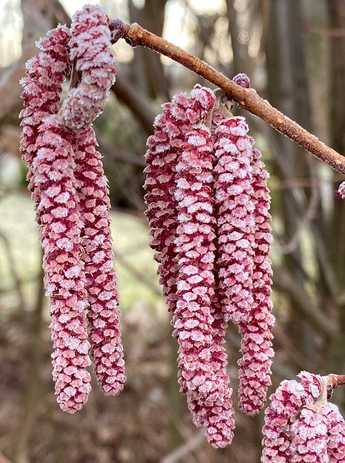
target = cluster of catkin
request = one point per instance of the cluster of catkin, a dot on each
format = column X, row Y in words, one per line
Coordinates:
column 207, row 205
column 301, row 426
column 68, row 185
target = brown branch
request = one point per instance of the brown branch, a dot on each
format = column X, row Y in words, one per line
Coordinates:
column 247, row 98
column 334, row 33
column 336, row 380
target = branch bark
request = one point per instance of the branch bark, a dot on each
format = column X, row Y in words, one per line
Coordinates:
column 246, row 98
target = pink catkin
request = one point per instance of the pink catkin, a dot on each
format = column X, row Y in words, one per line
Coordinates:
column 42, row 88
column 94, row 61
column 234, row 214
column 164, row 148
column 101, row 279
column 201, row 360
column 243, row 237
column 341, row 191
column 310, row 437
column 256, row 344
column 179, row 199
column 335, row 432
column 73, row 211
column 286, row 403
column 58, row 215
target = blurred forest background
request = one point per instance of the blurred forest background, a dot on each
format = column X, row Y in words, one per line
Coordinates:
column 294, row 54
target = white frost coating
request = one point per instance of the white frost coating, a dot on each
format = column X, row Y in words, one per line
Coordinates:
column 183, row 286
column 190, row 324
column 58, row 227
column 197, row 336
column 99, row 239
column 204, row 218
column 244, row 144
column 99, row 257
column 62, row 197
column 64, row 318
column 72, row 343
column 200, row 94
column 195, row 279
column 294, row 388
column 70, row 391
column 197, row 140
column 228, row 146
column 197, row 206
column 65, row 243
column 239, row 130
column 190, row 228
column 53, row 190
column 59, row 212
column 190, row 270
column 109, row 348
column 73, row 272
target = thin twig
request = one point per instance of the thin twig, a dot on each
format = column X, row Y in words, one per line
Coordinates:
column 293, row 244
column 284, row 282
column 196, row 441
column 136, row 102
column 247, row 98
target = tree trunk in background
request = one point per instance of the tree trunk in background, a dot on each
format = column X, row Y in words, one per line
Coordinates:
column 241, row 61
column 288, row 91
column 336, row 231
column 148, row 69
column 337, row 98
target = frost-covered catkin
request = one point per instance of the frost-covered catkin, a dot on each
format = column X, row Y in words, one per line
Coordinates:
column 180, row 207
column 49, row 156
column 46, row 72
column 60, row 226
column 310, row 437
column 341, row 191
column 256, row 343
column 101, row 279
column 93, row 64
column 164, row 149
column 335, row 432
column 201, row 359
column 234, row 214
column 243, row 238
column 286, row 403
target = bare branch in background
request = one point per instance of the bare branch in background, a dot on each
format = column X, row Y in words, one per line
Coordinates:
column 37, row 16
column 284, row 282
column 309, row 215
column 136, row 102
column 196, row 441
column 120, row 154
